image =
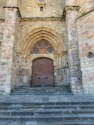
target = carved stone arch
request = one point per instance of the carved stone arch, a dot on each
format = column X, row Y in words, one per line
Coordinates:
column 40, row 38
column 38, row 34
column 42, row 47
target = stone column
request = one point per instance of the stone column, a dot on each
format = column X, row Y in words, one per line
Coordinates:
column 73, row 51
column 8, row 45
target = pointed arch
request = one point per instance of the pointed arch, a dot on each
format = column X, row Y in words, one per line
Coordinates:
column 41, row 33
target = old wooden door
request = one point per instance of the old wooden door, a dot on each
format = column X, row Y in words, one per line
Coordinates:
column 42, row 72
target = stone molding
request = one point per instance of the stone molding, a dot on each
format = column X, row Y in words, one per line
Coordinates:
column 42, row 19
column 18, row 11
column 37, row 18
column 80, row 17
column 70, row 8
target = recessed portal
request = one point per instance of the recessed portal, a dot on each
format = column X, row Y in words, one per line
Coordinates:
column 43, row 72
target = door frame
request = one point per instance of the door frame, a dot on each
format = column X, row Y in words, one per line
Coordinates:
column 33, row 67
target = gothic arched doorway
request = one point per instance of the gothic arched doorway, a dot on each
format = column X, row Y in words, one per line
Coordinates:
column 42, row 72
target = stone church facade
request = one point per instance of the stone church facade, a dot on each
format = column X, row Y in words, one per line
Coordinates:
column 47, row 43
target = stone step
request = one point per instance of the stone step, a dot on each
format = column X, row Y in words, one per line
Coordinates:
column 47, row 107
column 65, row 117
column 58, row 107
column 77, row 122
column 30, row 89
column 48, row 103
column 41, row 94
column 37, row 112
column 64, row 90
column 51, row 90
column 41, row 90
column 43, row 102
column 18, row 122
column 42, row 87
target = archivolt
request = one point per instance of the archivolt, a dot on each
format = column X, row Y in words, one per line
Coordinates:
column 38, row 34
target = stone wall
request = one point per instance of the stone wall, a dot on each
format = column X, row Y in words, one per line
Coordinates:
column 16, row 56
column 1, row 34
column 86, row 51
column 1, row 69
column 73, row 50
column 7, row 66
column 28, row 26
column 15, row 66
column 72, row 2
column 52, row 8
column 2, row 14
column 85, row 5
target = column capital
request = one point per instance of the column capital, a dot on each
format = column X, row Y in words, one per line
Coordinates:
column 69, row 9
column 11, row 8
column 64, row 53
column 15, row 9
column 72, row 8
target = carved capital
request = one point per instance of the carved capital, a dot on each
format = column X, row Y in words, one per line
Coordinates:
column 72, row 8
column 69, row 9
column 15, row 9
column 64, row 53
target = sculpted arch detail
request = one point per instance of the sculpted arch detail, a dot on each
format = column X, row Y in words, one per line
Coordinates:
column 42, row 47
column 51, row 48
column 39, row 34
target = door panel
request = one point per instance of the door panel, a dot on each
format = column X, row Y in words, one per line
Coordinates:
column 43, row 72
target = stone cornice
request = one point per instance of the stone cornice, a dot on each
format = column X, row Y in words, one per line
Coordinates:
column 38, row 19
column 42, row 19
column 70, row 8
column 12, row 7
column 85, row 14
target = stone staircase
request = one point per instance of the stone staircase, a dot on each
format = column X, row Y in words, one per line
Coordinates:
column 27, row 90
column 46, row 106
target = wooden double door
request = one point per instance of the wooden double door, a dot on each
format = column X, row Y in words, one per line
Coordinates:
column 43, row 72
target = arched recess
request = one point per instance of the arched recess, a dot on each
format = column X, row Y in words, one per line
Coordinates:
column 41, row 33
column 29, row 41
